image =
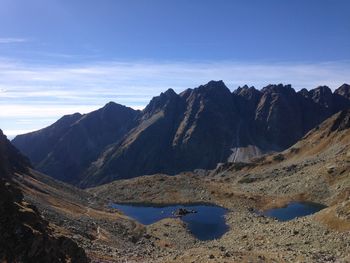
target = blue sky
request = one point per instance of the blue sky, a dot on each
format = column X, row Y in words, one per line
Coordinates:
column 63, row 56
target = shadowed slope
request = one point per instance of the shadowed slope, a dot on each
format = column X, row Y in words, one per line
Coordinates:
column 25, row 235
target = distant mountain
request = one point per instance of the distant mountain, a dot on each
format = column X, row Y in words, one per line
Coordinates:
column 197, row 128
column 64, row 149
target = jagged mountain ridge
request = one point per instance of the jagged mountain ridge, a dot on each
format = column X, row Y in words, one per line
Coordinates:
column 210, row 121
column 201, row 127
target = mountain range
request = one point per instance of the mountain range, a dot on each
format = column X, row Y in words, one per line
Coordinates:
column 195, row 129
column 44, row 220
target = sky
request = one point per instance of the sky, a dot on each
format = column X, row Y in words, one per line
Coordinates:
column 61, row 56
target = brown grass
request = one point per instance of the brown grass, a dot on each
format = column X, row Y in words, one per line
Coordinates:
column 329, row 218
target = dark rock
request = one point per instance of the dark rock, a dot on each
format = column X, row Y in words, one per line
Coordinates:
column 183, row 211
column 147, row 236
column 222, row 248
column 11, row 160
column 295, row 232
column 342, row 122
column 25, row 235
column 344, row 91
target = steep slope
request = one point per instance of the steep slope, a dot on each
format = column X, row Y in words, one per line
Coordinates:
column 25, row 235
column 11, row 160
column 64, row 149
column 37, row 145
column 331, row 137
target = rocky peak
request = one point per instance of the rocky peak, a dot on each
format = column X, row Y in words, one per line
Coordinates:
column 343, row 90
column 244, row 89
column 110, row 110
column 111, row 104
column 274, row 99
column 162, row 102
column 186, row 93
column 213, row 96
column 304, row 92
column 213, row 88
column 322, row 95
column 279, row 89
column 247, row 99
column 248, row 92
column 342, row 122
column 212, row 93
column 169, row 93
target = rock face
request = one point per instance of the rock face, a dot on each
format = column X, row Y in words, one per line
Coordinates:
column 64, row 149
column 344, row 91
column 183, row 211
column 25, row 235
column 197, row 128
column 342, row 121
column 11, row 160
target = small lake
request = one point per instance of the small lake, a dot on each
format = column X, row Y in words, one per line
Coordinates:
column 206, row 223
column 294, row 210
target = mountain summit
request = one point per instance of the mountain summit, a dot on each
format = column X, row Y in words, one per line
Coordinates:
column 65, row 148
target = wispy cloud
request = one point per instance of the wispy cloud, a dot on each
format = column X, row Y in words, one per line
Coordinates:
column 48, row 91
column 11, row 40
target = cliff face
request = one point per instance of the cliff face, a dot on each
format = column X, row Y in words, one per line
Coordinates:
column 11, row 160
column 197, row 128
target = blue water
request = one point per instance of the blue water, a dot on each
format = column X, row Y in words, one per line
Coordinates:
column 208, row 223
column 294, row 210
